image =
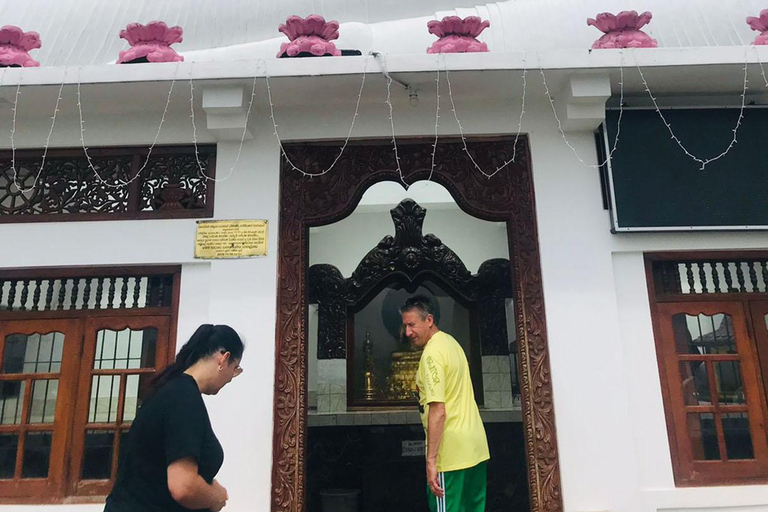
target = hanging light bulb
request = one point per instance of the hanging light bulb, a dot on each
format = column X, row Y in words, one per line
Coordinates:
column 413, row 97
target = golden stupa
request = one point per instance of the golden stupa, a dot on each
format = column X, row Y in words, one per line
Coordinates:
column 401, row 382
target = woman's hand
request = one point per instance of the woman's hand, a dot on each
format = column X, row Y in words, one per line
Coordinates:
column 221, row 496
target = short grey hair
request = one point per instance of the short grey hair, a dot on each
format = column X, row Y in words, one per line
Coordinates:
column 420, row 303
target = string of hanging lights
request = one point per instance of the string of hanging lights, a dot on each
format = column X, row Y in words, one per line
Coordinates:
column 471, row 28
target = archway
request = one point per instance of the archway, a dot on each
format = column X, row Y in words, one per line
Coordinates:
column 506, row 197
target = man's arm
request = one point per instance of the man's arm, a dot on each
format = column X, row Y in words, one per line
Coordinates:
column 435, row 428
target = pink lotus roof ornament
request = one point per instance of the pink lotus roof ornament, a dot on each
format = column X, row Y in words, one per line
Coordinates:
column 310, row 36
column 151, row 42
column 623, row 30
column 15, row 45
column 457, row 35
column 761, row 25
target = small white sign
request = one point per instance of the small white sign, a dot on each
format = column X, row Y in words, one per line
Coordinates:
column 414, row 448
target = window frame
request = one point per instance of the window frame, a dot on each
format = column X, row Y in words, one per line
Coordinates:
column 750, row 346
column 91, row 487
column 63, row 484
column 17, row 488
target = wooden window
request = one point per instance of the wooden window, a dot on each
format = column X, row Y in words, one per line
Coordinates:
column 77, row 350
column 710, row 314
column 107, row 184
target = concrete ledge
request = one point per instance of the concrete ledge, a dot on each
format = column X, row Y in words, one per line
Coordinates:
column 573, row 59
column 397, row 417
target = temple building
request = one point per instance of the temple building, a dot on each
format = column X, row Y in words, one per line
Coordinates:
column 576, row 185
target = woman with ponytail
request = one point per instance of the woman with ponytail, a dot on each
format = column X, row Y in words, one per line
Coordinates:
column 172, row 455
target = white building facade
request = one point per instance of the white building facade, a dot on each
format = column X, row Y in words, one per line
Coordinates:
column 613, row 440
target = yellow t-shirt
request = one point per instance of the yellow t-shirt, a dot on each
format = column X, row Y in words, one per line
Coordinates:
column 443, row 376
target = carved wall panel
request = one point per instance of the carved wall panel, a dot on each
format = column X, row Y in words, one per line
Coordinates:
column 67, row 188
column 507, row 197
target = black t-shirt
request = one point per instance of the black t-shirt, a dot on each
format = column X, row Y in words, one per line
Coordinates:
column 172, row 424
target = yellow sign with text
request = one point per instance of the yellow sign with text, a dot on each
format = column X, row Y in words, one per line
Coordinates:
column 229, row 239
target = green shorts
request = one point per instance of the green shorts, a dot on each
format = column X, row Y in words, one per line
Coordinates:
column 464, row 490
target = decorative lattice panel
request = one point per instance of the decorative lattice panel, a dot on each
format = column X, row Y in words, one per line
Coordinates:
column 113, row 184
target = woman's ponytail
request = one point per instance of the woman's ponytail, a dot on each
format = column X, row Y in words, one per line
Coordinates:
column 204, row 342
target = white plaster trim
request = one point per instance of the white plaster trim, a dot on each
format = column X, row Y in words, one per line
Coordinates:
column 560, row 59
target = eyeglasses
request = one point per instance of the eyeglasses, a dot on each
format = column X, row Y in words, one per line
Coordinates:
column 238, row 368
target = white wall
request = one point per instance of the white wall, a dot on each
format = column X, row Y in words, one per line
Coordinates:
column 614, row 452
column 611, row 430
column 237, row 292
column 612, row 436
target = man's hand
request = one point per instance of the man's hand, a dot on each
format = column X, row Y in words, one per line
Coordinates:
column 221, row 496
column 433, row 480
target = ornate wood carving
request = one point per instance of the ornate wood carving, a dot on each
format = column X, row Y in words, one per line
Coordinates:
column 409, row 255
column 493, row 284
column 329, row 290
column 173, row 182
column 170, row 184
column 508, row 197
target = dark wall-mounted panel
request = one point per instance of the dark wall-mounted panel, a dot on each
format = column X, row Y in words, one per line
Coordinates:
column 655, row 186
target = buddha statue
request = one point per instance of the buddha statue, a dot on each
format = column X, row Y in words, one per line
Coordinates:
column 401, row 382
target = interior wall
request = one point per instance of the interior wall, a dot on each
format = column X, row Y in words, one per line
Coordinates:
column 345, row 243
column 454, row 319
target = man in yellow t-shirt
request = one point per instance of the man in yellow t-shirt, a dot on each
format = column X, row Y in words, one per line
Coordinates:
column 457, row 449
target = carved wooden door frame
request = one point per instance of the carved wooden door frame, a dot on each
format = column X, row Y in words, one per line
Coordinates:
column 307, row 202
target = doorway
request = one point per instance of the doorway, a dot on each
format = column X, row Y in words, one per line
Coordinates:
column 507, row 197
